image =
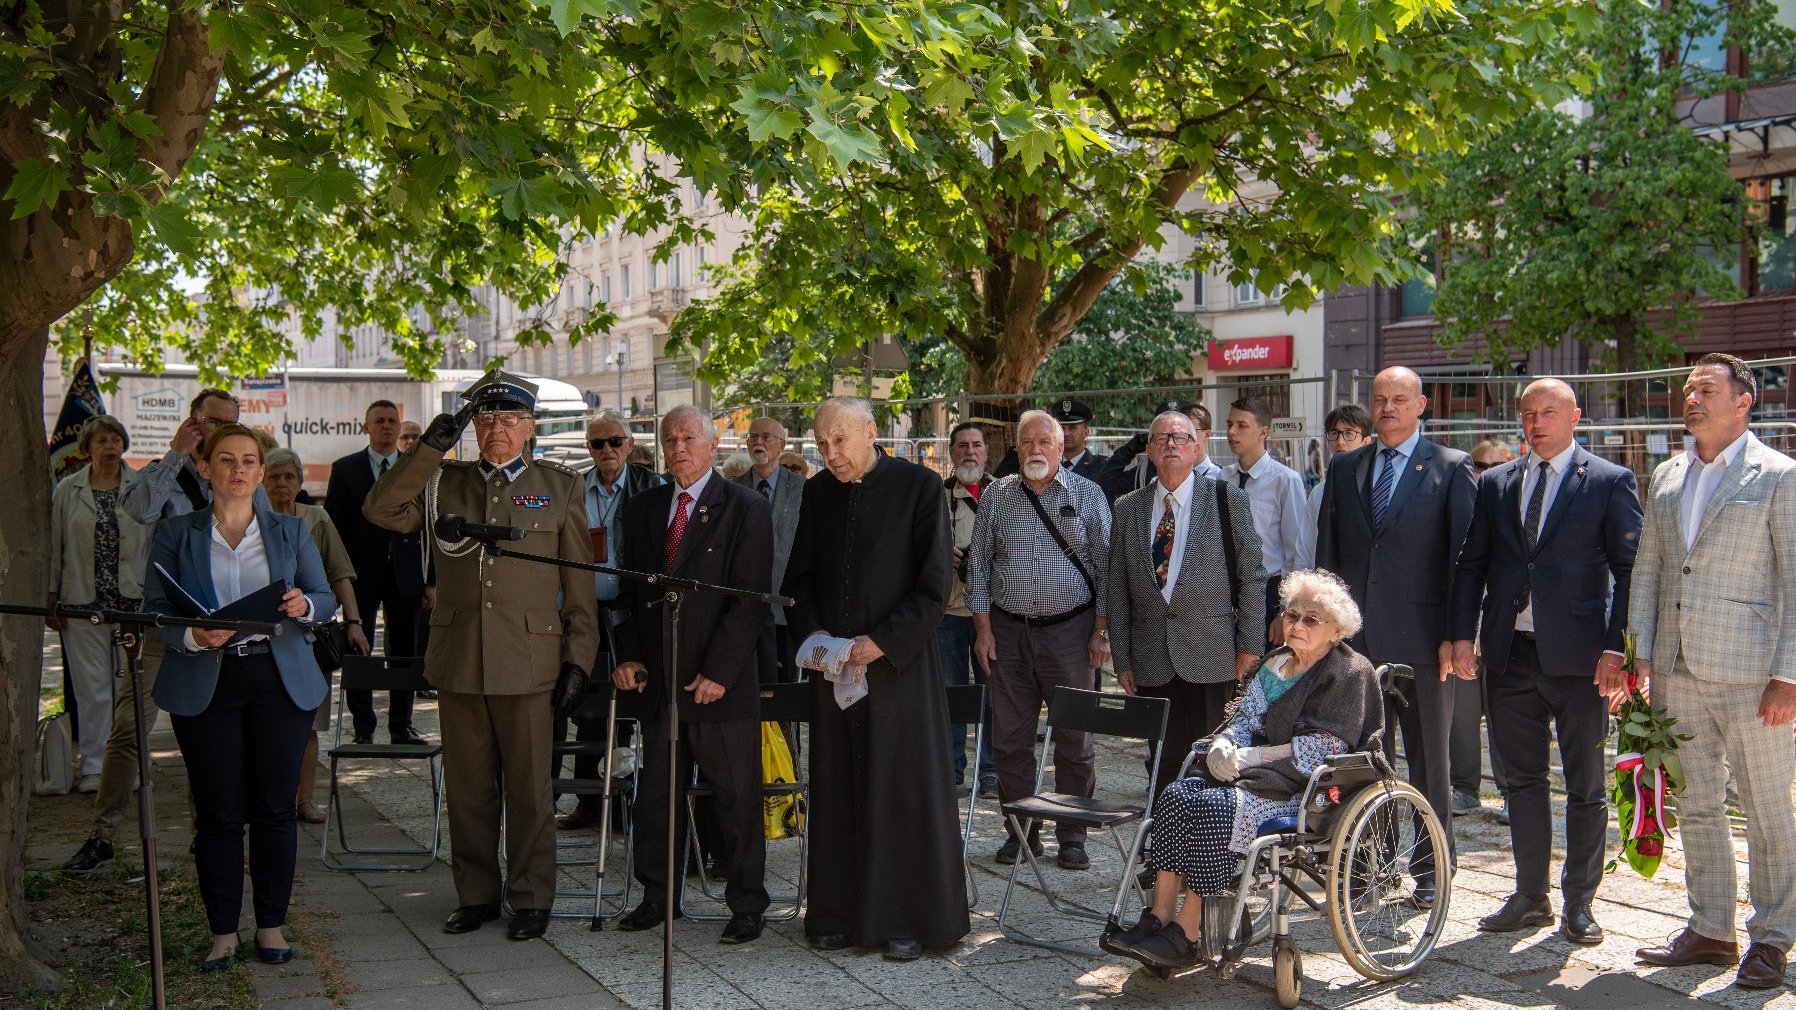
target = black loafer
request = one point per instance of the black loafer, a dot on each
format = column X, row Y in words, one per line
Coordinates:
column 1580, row 927
column 1519, row 912
column 903, row 949
column 362, row 739
column 1118, row 941
column 469, row 918
column 223, row 962
column 647, row 915
column 1168, row 948
column 743, row 927
column 829, row 941
column 274, row 955
column 407, row 735
column 95, row 852
column 528, row 923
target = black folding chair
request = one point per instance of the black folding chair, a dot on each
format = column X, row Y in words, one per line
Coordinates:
column 615, row 789
column 380, row 673
column 966, row 706
column 1121, row 716
column 782, row 705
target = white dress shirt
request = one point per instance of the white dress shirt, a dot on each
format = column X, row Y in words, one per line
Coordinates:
column 1276, row 494
column 375, row 459
column 237, row 572
column 1207, row 467
column 1700, row 482
column 1556, row 470
column 697, row 488
column 1181, row 524
column 1405, row 450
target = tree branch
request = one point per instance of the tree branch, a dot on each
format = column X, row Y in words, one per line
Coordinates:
column 182, row 88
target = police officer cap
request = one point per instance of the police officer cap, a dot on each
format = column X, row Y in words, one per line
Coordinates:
column 499, row 390
column 1070, row 412
column 1175, row 406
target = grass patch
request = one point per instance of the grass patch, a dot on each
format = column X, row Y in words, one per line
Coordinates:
column 107, row 948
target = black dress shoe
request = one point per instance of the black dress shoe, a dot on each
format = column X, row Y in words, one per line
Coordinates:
column 528, row 923
column 407, row 735
column 903, row 949
column 363, row 739
column 274, row 955
column 469, row 918
column 743, row 927
column 1011, row 851
column 1073, row 857
column 647, row 915
column 829, row 941
column 95, row 852
column 1579, row 926
column 1519, row 912
column 585, row 815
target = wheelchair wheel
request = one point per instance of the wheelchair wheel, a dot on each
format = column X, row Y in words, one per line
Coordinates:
column 1381, row 928
column 1287, row 973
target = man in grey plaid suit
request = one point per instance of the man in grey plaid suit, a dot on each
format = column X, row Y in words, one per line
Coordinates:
column 1178, row 630
column 1710, row 614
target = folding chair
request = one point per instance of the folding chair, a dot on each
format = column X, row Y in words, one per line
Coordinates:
column 616, row 788
column 379, row 673
column 1122, row 716
column 966, row 706
column 780, row 704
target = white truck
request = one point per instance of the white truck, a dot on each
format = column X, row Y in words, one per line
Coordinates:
column 316, row 412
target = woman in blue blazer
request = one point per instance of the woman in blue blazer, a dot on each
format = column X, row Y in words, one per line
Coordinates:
column 241, row 705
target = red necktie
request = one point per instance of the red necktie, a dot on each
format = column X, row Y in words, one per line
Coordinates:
column 676, row 530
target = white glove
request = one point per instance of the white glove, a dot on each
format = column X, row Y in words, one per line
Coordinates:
column 1223, row 759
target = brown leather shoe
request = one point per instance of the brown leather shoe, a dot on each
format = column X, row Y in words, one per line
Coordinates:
column 1691, row 947
column 1763, row 968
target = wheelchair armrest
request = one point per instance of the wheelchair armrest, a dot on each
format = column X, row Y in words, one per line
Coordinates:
column 1195, row 757
column 1324, row 778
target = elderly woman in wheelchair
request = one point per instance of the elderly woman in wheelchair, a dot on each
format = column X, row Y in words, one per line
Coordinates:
column 1312, row 699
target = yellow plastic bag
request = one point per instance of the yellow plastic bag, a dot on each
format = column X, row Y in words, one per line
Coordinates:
column 782, row 814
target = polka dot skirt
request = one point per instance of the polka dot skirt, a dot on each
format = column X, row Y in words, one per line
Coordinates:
column 1192, row 824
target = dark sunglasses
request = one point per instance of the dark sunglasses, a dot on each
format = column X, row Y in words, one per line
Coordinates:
column 1478, row 467
column 615, row 441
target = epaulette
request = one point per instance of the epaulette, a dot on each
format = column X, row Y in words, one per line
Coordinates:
column 562, row 468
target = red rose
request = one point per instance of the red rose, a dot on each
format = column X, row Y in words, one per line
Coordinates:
column 1649, row 825
column 1650, row 846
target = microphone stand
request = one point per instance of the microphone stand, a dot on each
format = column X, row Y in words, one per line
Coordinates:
column 673, row 594
column 127, row 640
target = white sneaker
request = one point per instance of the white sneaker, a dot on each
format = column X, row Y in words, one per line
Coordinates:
column 89, row 784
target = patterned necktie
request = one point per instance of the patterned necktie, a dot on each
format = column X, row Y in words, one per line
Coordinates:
column 1382, row 487
column 676, row 531
column 766, row 489
column 1163, row 535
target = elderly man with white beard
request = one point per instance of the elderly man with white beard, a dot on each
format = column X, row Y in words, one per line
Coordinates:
column 1040, row 551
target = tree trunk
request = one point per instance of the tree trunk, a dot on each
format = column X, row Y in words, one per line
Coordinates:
column 24, row 572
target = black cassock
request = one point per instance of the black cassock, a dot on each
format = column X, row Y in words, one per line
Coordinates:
column 874, row 558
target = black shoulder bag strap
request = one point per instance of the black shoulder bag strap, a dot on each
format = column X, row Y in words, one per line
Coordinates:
column 1071, row 555
column 190, row 486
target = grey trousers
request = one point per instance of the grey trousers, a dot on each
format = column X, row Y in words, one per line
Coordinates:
column 1032, row 662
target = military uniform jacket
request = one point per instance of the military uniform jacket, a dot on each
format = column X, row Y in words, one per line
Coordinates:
column 501, row 625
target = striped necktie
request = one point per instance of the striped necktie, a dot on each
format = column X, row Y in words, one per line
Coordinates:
column 1382, row 487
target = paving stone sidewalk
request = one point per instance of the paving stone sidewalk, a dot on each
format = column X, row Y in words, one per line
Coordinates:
column 380, row 936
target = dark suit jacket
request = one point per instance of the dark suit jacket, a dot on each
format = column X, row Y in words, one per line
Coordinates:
column 1401, row 575
column 1587, row 538
column 385, row 561
column 728, row 542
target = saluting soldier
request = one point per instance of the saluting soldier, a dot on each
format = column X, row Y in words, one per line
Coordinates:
column 508, row 640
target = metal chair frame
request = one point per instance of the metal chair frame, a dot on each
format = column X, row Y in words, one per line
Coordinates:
column 380, row 673
column 608, row 790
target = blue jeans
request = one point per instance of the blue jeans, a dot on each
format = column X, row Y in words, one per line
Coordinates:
column 954, row 637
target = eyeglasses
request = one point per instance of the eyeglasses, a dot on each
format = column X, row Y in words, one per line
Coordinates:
column 1172, row 437
column 752, row 437
column 211, row 422
column 795, row 468
column 1479, row 466
column 504, row 419
column 1343, row 434
column 615, row 442
column 1305, row 618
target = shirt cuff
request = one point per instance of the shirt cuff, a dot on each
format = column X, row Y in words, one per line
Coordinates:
column 311, row 611
column 188, row 640
column 1617, row 655
column 1787, row 680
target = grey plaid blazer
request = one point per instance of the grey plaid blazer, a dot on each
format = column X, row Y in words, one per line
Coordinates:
column 1722, row 599
column 1195, row 637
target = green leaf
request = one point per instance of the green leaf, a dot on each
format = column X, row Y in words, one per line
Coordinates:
column 35, row 184
column 173, row 229
column 846, row 145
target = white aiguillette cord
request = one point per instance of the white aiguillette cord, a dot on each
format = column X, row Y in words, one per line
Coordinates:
column 448, row 548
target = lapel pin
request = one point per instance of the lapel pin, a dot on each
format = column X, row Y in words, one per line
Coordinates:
column 704, row 514
column 1418, row 468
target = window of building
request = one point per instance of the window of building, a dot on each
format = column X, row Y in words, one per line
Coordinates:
column 1197, row 288
column 1415, row 298
column 605, row 287
column 654, row 273
column 1274, row 389
column 1247, row 294
column 675, row 275
column 1776, row 233
column 623, row 280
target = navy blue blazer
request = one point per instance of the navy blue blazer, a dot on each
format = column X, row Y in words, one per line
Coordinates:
column 183, row 545
column 1399, row 575
column 1580, row 567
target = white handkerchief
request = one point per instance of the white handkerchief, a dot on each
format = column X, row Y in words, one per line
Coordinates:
column 829, row 656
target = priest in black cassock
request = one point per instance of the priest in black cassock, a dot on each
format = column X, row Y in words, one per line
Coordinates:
column 872, row 562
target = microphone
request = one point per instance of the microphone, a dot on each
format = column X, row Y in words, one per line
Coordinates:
column 452, row 527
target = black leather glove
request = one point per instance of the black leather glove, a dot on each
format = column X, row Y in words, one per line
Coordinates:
column 570, row 690
column 445, row 429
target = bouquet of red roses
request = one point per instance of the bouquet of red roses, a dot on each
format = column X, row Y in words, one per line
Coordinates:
column 1647, row 773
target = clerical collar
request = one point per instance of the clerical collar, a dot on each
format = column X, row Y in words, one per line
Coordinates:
column 512, row 470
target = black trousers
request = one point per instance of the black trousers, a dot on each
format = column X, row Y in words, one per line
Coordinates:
column 1196, row 710
column 586, row 766
column 1523, row 702
column 1425, row 718
column 401, row 612
column 242, row 755
column 728, row 756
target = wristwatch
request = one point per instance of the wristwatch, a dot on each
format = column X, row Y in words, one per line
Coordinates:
column 1104, row 633
column 351, row 620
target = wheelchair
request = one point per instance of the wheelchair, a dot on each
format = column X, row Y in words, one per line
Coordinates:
column 1359, row 838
